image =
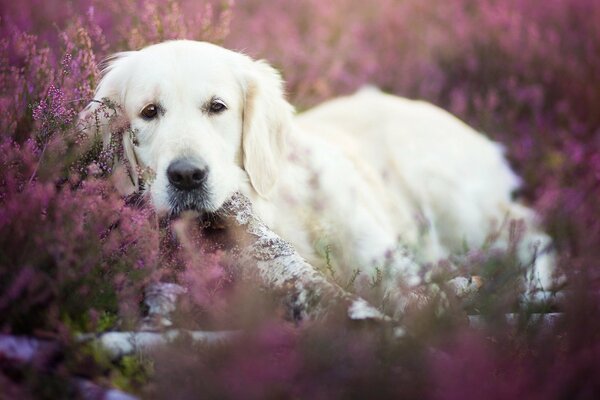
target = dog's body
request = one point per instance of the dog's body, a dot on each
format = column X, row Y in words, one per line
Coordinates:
column 386, row 171
column 358, row 183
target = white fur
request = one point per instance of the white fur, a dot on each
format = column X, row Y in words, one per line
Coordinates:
column 366, row 181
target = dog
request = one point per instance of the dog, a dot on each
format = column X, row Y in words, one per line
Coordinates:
column 360, row 184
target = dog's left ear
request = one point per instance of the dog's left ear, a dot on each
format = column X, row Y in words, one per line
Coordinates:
column 266, row 122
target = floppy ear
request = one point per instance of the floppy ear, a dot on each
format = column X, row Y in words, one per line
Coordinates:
column 266, row 122
column 103, row 115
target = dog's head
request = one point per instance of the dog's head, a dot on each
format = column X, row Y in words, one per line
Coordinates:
column 204, row 119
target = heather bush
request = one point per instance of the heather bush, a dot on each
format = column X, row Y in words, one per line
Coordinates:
column 76, row 254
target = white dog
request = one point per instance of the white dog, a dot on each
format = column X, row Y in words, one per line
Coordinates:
column 360, row 183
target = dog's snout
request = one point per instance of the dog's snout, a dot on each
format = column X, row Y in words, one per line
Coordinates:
column 184, row 174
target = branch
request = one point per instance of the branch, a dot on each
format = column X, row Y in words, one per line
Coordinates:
column 272, row 262
column 119, row 344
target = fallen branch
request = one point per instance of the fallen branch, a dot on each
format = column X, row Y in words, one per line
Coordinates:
column 272, row 262
column 29, row 350
column 119, row 344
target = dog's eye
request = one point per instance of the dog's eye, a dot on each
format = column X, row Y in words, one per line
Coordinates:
column 217, row 106
column 150, row 111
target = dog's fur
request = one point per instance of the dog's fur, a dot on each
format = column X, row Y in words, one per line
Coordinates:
column 356, row 182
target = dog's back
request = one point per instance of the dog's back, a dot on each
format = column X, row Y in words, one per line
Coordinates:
column 456, row 182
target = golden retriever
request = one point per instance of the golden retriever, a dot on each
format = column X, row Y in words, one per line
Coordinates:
column 369, row 182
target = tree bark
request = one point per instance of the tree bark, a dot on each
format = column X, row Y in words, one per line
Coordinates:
column 272, row 262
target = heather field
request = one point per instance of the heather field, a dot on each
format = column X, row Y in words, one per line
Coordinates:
column 75, row 255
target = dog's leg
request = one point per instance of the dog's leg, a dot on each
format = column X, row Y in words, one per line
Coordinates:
column 534, row 252
column 375, row 263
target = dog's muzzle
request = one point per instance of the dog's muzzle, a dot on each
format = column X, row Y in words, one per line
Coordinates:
column 187, row 185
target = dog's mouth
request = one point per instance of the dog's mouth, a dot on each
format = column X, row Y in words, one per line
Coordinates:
column 210, row 223
column 197, row 200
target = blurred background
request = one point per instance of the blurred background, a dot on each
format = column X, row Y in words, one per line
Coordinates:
column 527, row 73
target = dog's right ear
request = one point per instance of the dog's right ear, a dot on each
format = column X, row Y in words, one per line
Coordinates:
column 103, row 116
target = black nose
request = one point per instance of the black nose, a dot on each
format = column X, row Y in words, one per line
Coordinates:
column 184, row 174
